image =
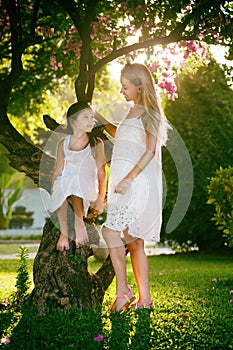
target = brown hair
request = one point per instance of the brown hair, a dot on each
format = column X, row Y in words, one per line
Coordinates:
column 72, row 114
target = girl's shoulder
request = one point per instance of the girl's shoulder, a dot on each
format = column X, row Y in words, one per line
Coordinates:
column 63, row 143
column 151, row 123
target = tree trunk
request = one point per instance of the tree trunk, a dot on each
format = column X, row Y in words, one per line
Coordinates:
column 62, row 279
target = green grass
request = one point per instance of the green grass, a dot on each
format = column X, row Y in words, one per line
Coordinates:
column 192, row 311
column 13, row 248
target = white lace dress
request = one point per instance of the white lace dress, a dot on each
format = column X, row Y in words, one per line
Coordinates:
column 79, row 178
column 140, row 208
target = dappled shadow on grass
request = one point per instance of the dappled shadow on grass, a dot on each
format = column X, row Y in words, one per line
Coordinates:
column 57, row 329
column 167, row 326
column 192, row 311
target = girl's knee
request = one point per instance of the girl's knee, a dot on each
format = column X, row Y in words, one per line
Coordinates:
column 105, row 233
column 111, row 237
column 135, row 245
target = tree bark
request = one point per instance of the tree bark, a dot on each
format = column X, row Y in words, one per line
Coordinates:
column 62, row 279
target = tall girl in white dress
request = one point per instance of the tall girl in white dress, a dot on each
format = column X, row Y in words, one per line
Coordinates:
column 79, row 176
column 135, row 184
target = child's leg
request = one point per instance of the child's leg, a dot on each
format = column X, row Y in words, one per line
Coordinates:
column 79, row 225
column 140, row 267
column 117, row 252
column 63, row 242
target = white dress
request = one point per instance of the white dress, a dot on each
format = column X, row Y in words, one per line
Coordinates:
column 79, row 178
column 140, row 208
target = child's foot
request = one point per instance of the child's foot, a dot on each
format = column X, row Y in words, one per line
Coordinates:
column 81, row 235
column 138, row 305
column 63, row 243
column 122, row 302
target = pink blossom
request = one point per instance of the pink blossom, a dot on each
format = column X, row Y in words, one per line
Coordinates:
column 5, row 341
column 99, row 337
column 154, row 66
column 217, row 38
column 200, row 36
column 105, row 37
column 169, row 88
column 166, row 74
column 128, row 28
column 53, row 62
column 149, row 22
column 231, row 291
column 97, row 53
column 186, row 55
column 167, row 61
column 192, row 46
column 72, row 30
column 203, row 52
column 94, row 30
column 160, row 273
column 231, row 301
column 59, row 64
column 214, row 280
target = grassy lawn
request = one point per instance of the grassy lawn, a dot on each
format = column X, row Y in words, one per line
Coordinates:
column 13, row 248
column 193, row 310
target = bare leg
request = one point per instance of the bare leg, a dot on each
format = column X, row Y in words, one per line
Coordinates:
column 79, row 225
column 140, row 267
column 117, row 253
column 63, row 242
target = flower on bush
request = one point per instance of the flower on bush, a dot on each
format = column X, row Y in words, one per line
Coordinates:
column 214, row 280
column 231, row 291
column 231, row 301
column 5, row 341
column 99, row 337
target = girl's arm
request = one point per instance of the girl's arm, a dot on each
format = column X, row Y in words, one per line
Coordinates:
column 147, row 156
column 100, row 162
column 109, row 127
column 60, row 161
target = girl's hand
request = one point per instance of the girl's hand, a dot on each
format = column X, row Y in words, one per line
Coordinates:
column 123, row 186
column 98, row 207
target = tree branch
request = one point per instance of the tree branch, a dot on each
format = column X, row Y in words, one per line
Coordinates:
column 16, row 40
column 34, row 17
column 175, row 36
column 70, row 8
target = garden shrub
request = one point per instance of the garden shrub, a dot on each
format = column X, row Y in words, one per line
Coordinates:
column 220, row 191
column 202, row 115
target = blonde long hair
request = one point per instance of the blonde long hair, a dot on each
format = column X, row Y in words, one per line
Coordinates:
column 139, row 75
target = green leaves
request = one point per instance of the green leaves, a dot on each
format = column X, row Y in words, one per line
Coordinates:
column 220, row 191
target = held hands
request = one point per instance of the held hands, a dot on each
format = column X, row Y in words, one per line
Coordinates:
column 123, row 186
column 98, row 207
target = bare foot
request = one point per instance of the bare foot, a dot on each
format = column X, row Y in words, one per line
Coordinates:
column 63, row 243
column 81, row 235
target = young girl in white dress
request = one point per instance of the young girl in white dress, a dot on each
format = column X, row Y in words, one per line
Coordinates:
column 135, row 184
column 79, row 176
